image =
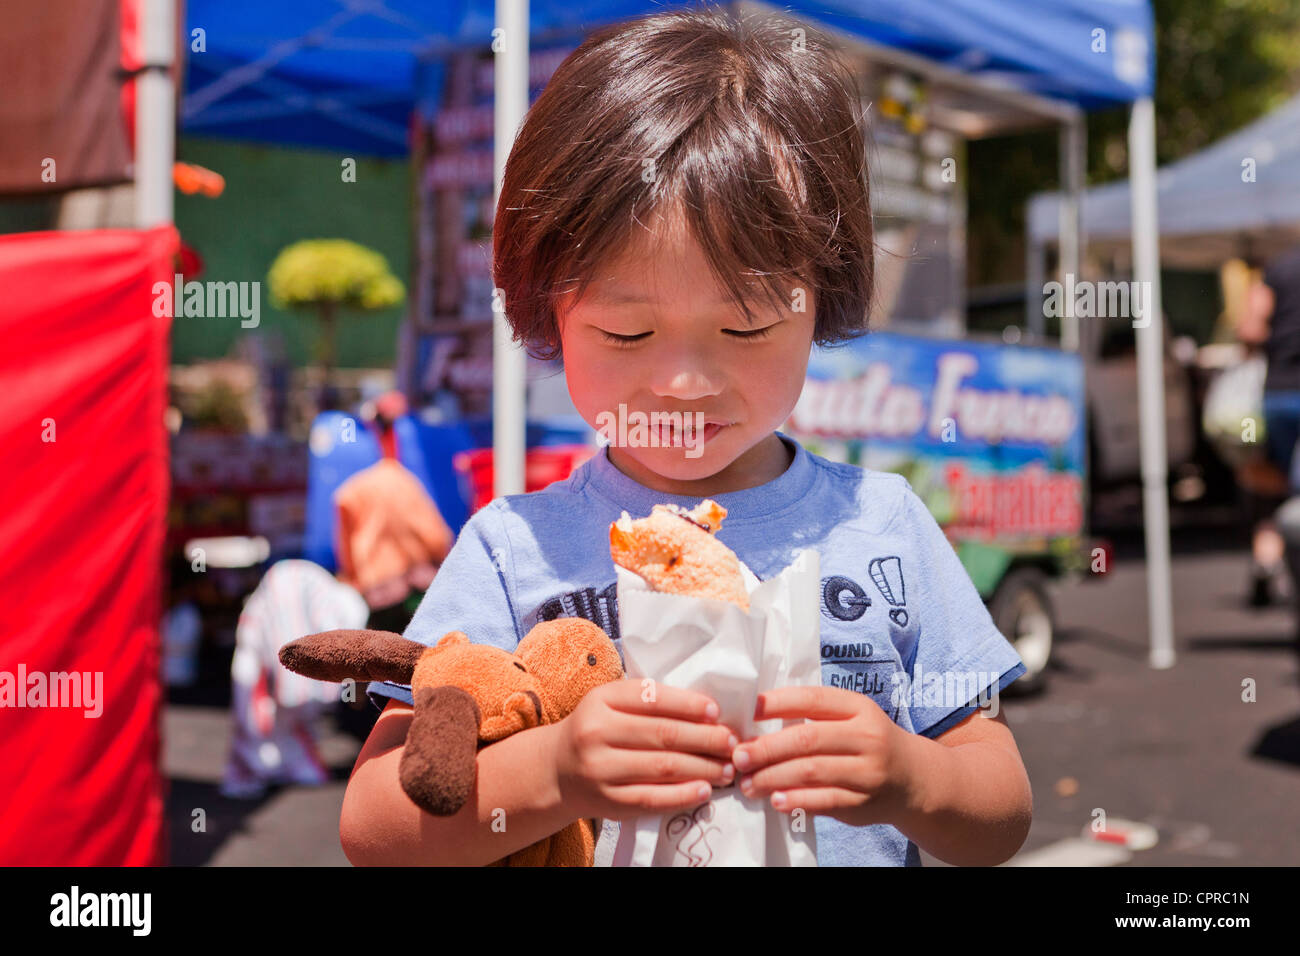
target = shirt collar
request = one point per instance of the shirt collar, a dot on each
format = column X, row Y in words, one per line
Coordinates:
column 743, row 505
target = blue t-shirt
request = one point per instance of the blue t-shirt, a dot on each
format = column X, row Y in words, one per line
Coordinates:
column 901, row 620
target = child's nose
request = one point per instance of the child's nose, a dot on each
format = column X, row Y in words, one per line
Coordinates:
column 686, row 379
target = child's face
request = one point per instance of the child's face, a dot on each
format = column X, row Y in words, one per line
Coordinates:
column 695, row 353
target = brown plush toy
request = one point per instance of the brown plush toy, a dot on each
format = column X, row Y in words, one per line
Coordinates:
column 468, row 695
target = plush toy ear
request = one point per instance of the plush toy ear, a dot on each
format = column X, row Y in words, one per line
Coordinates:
column 452, row 638
column 359, row 655
column 521, row 710
column 438, row 767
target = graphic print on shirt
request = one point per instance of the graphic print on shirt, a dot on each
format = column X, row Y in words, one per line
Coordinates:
column 857, row 653
column 888, row 575
column 598, row 605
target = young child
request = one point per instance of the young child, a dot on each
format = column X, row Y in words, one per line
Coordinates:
column 685, row 212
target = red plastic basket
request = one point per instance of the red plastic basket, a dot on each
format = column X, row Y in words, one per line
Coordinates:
column 542, row 466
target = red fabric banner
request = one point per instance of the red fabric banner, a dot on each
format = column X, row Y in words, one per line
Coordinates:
column 84, row 482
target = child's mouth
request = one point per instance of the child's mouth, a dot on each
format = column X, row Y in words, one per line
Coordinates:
column 671, row 436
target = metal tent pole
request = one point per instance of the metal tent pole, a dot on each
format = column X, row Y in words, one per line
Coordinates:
column 509, row 365
column 1072, row 160
column 155, row 111
column 1151, row 399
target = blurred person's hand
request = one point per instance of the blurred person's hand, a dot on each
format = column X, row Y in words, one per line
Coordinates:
column 386, row 593
column 421, row 576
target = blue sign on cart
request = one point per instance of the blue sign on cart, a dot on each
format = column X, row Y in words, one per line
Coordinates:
column 990, row 436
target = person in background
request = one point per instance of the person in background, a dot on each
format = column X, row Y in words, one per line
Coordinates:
column 391, row 537
column 1271, row 320
column 391, row 540
column 1287, row 519
column 1235, row 279
column 182, row 626
column 274, row 711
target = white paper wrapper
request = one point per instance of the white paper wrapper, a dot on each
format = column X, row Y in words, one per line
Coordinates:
column 715, row 648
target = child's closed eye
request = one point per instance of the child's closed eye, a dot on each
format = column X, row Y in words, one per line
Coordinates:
column 613, row 339
column 751, row 333
column 624, row 340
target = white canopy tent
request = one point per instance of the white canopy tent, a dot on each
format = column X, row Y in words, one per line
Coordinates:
column 1238, row 196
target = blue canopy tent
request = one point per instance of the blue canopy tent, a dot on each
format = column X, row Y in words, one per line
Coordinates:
column 347, row 74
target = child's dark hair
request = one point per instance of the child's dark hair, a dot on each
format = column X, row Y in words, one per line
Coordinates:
column 752, row 125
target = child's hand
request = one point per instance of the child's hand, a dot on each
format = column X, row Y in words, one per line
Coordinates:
column 625, row 753
column 847, row 762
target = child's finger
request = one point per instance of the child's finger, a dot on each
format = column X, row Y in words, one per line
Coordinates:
column 798, row 740
column 644, row 799
column 818, row 703
column 815, row 800
column 639, row 732
column 806, row 772
column 651, row 697
column 624, row 767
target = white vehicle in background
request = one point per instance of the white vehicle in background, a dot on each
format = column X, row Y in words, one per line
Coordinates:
column 1109, row 348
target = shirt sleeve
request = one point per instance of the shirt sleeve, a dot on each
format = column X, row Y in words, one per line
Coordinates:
column 960, row 655
column 471, row 593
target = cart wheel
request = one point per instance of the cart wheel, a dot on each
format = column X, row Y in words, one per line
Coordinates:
column 1022, row 611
